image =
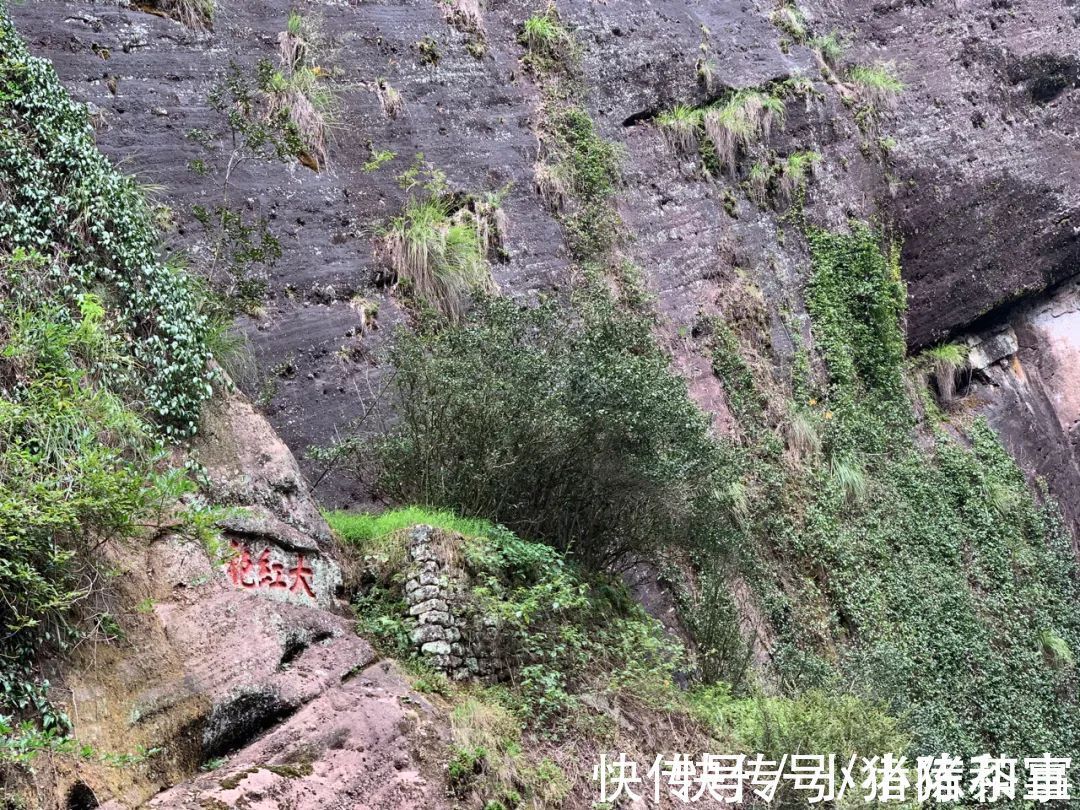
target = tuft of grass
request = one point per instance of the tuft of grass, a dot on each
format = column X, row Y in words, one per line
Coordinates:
column 547, row 40
column 850, row 477
column 790, row 19
column 297, row 92
column 761, row 174
column 552, row 183
column 198, row 15
column 745, row 118
column 439, row 245
column 802, row 437
column 794, row 172
column 877, row 85
column 707, row 73
column 830, row 46
column 682, row 127
column 309, row 106
column 943, row 362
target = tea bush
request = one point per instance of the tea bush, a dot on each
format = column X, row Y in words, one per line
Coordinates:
column 63, row 197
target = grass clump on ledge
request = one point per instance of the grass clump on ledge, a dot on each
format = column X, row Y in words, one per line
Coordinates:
column 877, row 85
column 439, row 246
column 549, row 44
column 297, row 92
column 943, row 363
column 682, row 126
column 198, row 15
column 724, row 129
column 790, row 19
column 744, row 119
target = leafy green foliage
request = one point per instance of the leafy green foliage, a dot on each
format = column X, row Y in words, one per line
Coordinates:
column 815, row 722
column 947, row 565
column 591, row 168
column 856, row 298
column 561, row 632
column 379, row 159
column 99, row 340
column 76, row 469
column 61, row 191
column 576, row 432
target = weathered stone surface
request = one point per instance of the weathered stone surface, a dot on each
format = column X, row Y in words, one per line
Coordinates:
column 1033, row 398
column 435, row 648
column 987, row 349
column 429, row 605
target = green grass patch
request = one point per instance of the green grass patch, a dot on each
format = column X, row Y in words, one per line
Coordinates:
column 360, row 528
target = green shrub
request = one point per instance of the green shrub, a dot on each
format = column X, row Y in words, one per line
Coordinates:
column 574, row 431
column 76, row 469
column 60, row 191
column 591, row 168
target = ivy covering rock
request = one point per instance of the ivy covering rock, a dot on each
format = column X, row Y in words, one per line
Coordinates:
column 65, row 200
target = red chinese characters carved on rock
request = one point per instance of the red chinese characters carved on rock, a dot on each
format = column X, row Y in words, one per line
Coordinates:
column 265, row 572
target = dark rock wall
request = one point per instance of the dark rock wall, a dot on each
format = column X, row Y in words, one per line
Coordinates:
column 982, row 184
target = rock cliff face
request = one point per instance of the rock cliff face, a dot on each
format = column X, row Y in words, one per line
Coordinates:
column 976, row 171
column 979, row 178
column 219, row 661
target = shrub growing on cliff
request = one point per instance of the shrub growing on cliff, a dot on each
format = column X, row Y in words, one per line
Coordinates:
column 571, row 430
column 297, row 91
column 62, row 192
column 76, row 470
